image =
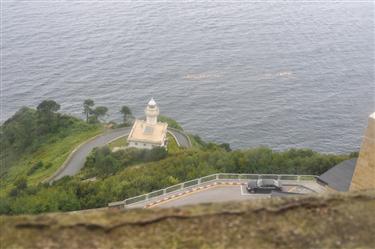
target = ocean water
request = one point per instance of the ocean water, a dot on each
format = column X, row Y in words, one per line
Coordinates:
column 279, row 73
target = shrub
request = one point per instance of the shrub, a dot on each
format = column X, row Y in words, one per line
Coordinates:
column 171, row 122
column 21, row 183
column 35, row 167
column 71, row 193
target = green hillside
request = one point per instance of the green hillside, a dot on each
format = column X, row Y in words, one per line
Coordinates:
column 35, row 143
column 112, row 176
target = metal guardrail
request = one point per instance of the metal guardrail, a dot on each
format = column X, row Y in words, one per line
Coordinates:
column 206, row 179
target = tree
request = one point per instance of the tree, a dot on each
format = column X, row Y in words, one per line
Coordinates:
column 100, row 111
column 48, row 107
column 87, row 108
column 127, row 114
column 18, row 131
column 226, row 147
column 47, row 116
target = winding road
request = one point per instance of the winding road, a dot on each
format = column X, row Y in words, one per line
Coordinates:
column 181, row 138
column 77, row 158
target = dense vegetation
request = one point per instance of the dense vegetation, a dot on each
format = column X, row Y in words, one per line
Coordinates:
column 103, row 162
column 34, row 142
column 171, row 122
column 92, row 114
column 115, row 178
column 28, row 129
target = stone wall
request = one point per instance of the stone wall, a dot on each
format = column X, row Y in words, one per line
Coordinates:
column 330, row 221
column 364, row 173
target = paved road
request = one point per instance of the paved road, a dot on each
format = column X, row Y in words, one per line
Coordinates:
column 217, row 194
column 224, row 193
column 78, row 158
column 182, row 139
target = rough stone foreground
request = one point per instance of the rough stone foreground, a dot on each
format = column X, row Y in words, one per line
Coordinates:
column 334, row 221
column 364, row 173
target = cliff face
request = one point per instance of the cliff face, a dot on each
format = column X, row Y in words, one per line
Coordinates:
column 364, row 174
column 333, row 221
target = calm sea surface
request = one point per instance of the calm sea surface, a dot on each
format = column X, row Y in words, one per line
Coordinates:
column 280, row 74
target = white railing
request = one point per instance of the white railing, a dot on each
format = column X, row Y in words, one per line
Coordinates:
column 210, row 178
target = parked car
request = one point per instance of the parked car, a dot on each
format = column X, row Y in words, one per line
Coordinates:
column 264, row 185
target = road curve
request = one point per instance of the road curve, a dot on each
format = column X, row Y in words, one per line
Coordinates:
column 182, row 139
column 77, row 159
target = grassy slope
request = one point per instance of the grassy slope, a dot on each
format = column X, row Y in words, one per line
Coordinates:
column 194, row 142
column 334, row 221
column 172, row 144
column 120, row 142
column 171, row 122
column 54, row 153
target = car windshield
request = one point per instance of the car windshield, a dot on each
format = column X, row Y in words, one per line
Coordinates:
column 252, row 183
column 267, row 182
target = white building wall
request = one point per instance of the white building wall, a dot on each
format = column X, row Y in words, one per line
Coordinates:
column 152, row 119
column 140, row 145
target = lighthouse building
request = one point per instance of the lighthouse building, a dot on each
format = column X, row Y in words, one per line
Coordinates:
column 149, row 133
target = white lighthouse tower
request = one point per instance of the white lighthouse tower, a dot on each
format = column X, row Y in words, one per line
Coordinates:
column 152, row 112
column 150, row 133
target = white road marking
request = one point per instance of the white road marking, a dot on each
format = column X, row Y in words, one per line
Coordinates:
column 292, row 189
column 199, row 189
column 241, row 187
